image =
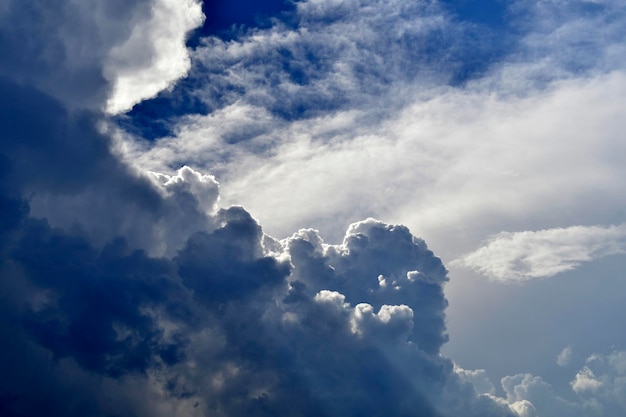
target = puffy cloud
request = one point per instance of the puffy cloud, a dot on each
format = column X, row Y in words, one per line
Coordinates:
column 224, row 327
column 194, row 310
column 523, row 256
column 87, row 52
column 586, row 381
column 599, row 386
column 154, row 55
column 478, row 378
column 531, row 395
column 601, row 383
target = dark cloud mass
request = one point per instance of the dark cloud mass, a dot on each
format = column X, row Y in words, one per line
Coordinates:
column 232, row 323
column 222, row 328
column 128, row 294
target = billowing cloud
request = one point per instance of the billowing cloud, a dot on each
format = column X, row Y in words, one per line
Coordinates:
column 527, row 255
column 599, row 386
column 128, row 293
column 154, row 55
column 234, row 323
column 96, row 54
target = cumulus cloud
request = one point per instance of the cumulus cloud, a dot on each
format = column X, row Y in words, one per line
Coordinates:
column 598, row 386
column 135, row 294
column 96, row 54
column 154, row 55
column 523, row 256
column 224, row 327
column 478, row 378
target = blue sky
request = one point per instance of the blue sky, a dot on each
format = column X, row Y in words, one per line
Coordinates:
column 322, row 207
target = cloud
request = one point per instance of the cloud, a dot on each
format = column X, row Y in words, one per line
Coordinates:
column 565, row 356
column 309, row 116
column 225, row 327
column 128, row 292
column 145, row 291
column 599, row 387
column 532, row 396
column 478, row 378
column 154, row 55
column 523, row 256
column 92, row 54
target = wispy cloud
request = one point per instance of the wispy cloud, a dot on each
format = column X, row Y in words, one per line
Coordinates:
column 522, row 256
column 314, row 116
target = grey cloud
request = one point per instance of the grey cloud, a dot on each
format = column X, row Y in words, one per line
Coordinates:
column 378, row 264
column 565, row 356
column 223, row 328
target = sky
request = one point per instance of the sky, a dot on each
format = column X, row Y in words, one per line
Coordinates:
column 312, row 208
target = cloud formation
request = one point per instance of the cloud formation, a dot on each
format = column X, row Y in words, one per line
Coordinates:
column 234, row 323
column 301, row 119
column 154, row 54
column 599, row 387
column 522, row 256
column 97, row 54
column 135, row 293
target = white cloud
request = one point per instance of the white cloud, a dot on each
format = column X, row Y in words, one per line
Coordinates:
column 478, row 378
column 523, row 256
column 382, row 133
column 154, row 55
column 87, row 52
column 565, row 356
column 601, row 383
column 531, row 396
column 600, row 388
column 586, row 381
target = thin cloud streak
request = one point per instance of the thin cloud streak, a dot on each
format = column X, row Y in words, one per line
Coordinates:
column 522, row 256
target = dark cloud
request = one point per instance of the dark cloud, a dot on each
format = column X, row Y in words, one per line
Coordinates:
column 224, row 327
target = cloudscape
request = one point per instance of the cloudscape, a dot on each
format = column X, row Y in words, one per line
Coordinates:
column 312, row 208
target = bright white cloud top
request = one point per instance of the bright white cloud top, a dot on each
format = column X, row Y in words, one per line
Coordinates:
column 154, row 56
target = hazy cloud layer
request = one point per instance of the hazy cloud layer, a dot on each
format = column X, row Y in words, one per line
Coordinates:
column 312, row 114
